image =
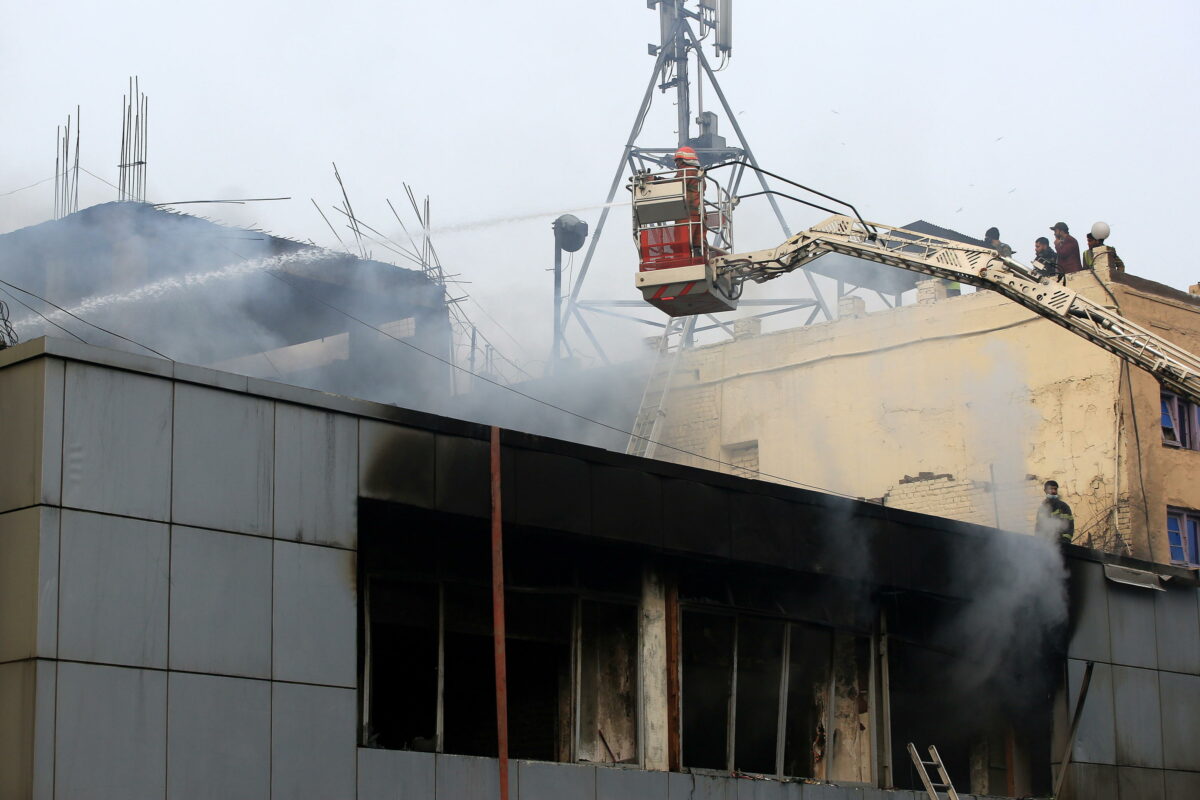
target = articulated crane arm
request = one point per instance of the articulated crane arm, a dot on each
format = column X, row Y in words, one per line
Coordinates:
column 1177, row 369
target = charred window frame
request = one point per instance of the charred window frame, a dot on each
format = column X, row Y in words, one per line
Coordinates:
column 1183, row 536
column 1180, row 422
column 428, row 670
column 775, row 696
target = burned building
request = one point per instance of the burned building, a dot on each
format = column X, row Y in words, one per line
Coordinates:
column 216, row 585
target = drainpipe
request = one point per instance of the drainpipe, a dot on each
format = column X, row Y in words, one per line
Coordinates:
column 498, row 616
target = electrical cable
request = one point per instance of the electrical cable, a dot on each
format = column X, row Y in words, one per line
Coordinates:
column 84, row 321
column 546, row 403
column 43, row 316
column 30, row 186
column 8, row 334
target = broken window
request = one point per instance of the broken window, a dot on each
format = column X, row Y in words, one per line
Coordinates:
column 707, row 657
column 1183, row 536
column 1180, row 422
column 608, row 682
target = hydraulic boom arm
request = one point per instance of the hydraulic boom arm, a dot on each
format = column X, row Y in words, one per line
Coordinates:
column 1177, row 369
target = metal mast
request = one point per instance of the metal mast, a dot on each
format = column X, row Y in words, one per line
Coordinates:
column 678, row 42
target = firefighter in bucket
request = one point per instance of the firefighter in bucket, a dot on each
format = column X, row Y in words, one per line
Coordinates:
column 687, row 167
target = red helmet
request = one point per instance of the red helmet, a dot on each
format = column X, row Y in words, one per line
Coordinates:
column 688, row 156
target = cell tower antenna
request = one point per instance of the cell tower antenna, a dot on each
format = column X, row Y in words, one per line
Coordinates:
column 678, row 49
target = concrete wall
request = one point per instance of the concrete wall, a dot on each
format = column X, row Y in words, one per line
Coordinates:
column 974, row 387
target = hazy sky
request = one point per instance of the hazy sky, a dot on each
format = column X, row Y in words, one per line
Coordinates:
column 1015, row 114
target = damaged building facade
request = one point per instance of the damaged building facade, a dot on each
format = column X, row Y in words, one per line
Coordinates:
column 214, row 585
column 961, row 407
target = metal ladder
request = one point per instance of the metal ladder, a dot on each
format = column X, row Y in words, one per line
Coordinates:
column 653, row 410
column 931, row 787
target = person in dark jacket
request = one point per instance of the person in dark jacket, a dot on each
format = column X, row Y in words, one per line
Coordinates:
column 1044, row 256
column 992, row 240
column 1067, row 248
column 1055, row 522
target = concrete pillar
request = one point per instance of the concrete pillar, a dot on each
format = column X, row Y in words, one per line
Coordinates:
column 851, row 307
column 930, row 291
column 654, row 706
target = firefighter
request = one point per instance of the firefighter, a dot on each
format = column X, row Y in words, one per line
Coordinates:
column 687, row 166
column 1054, row 517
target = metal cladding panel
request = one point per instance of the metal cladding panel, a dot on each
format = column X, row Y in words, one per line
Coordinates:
column 627, row 504
column 690, row 786
column 117, row 442
column 473, row 777
column 763, row 530
column 1131, row 626
column 1089, row 611
column 1096, row 742
column 543, row 781
column 1180, row 722
column 43, row 730
column 552, row 491
column 1177, row 627
column 223, row 460
column 31, row 429
column 1140, row 784
column 630, row 784
column 396, row 463
column 29, row 556
column 769, row 790
column 313, row 756
column 110, row 732
column 824, row 791
column 218, row 737
column 696, row 518
column 112, row 604
column 1091, row 782
column 315, row 615
column 395, row 775
column 1181, row 785
column 220, row 603
column 16, row 727
column 316, row 476
column 1139, row 721
column 463, row 477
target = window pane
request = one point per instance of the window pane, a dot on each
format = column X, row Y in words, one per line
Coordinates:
column 1193, row 540
column 760, row 662
column 1169, row 428
column 1175, row 538
column 608, row 683
column 403, row 669
column 808, row 699
column 707, row 644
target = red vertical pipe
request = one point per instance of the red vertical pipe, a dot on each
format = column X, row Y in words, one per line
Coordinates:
column 498, row 617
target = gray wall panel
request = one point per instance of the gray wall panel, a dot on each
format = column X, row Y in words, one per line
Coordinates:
column 316, row 476
column 1182, row 785
column 1091, row 782
column 395, row 775
column 396, row 463
column 219, row 737
column 113, row 593
column 1089, row 612
column 1139, row 723
column 1131, row 626
column 1180, row 695
column 31, row 429
column 1140, row 784
column 312, row 742
column 1177, row 624
column 542, row 781
column 686, row 786
column 43, row 730
column 630, row 784
column 768, row 790
column 16, row 728
column 223, row 456
column 29, row 553
column 220, row 603
column 117, row 442
column 471, row 777
column 110, row 737
column 315, row 615
column 1096, row 741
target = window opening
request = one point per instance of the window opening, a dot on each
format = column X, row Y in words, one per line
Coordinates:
column 707, row 666
column 1180, row 422
column 608, row 683
column 759, row 662
column 1183, row 536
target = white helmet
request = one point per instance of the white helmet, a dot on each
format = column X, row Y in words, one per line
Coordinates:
column 1100, row 231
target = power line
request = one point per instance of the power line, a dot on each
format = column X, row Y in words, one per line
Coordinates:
column 43, row 316
column 84, row 321
column 546, row 403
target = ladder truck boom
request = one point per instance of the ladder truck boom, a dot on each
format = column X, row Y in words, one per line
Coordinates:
column 714, row 281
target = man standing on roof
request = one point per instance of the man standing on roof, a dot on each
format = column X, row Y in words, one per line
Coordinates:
column 1044, row 257
column 1055, row 522
column 687, row 166
column 1098, row 253
column 1067, row 248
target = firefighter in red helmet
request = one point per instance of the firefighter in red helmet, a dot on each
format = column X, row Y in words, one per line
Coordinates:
column 687, row 166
